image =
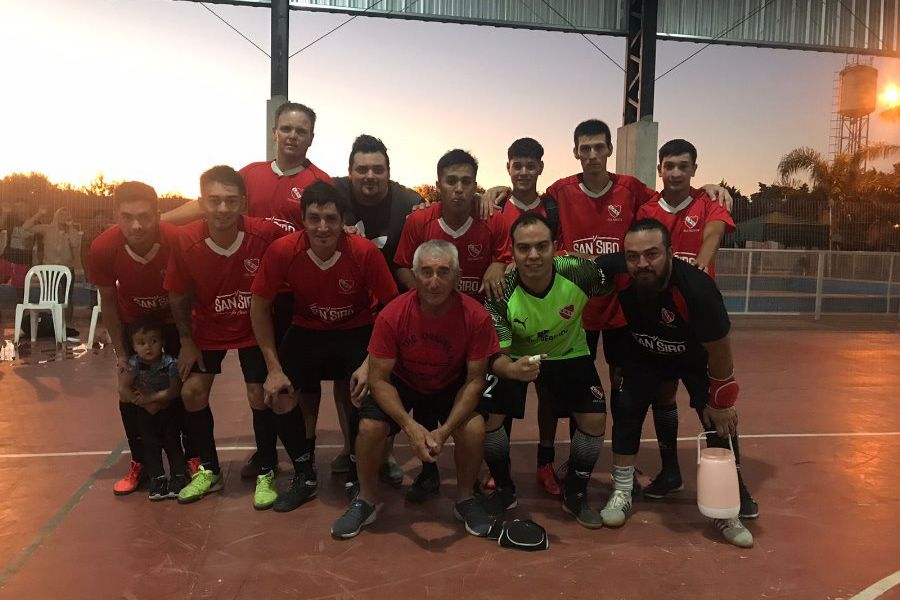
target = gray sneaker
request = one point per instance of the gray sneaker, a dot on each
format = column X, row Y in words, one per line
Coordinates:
column 617, row 508
column 474, row 516
column 360, row 514
column 584, row 514
column 735, row 532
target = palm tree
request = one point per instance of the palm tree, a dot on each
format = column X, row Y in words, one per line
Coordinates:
column 844, row 178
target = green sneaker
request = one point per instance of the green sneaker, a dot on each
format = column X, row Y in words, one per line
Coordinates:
column 265, row 495
column 203, row 482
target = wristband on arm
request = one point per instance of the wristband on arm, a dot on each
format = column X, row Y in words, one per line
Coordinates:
column 723, row 393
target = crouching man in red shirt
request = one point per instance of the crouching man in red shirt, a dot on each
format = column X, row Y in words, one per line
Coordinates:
column 428, row 355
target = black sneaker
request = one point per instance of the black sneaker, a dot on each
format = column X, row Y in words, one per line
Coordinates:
column 176, row 482
column 426, row 484
column 502, row 500
column 577, row 506
column 302, row 490
column 348, row 525
column 665, row 483
column 159, row 488
column 474, row 516
column 72, row 334
column 351, row 489
column 749, row 507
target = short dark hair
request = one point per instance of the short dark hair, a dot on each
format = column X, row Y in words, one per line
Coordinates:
column 321, row 193
column 530, row 218
column 225, row 175
column 652, row 225
column 295, row 107
column 368, row 144
column 456, row 157
column 676, row 147
column 593, row 127
column 525, row 148
column 133, row 191
column 146, row 323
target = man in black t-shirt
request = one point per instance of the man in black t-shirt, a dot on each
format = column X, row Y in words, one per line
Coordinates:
column 379, row 206
column 679, row 330
column 378, row 210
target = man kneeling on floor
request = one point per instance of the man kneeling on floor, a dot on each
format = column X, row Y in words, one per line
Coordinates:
column 428, row 355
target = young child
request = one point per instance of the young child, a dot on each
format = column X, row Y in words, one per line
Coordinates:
column 152, row 382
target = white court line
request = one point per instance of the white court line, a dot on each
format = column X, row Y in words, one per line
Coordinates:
column 878, row 588
column 513, row 443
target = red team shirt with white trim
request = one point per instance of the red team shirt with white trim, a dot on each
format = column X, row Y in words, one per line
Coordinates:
column 596, row 224
column 432, row 351
column 479, row 243
column 138, row 279
column 340, row 293
column 686, row 222
column 514, row 208
column 274, row 195
column 220, row 280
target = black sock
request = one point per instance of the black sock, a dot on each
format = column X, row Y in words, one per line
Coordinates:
column 151, row 442
column 496, row 455
column 351, row 472
column 266, row 433
column 665, row 420
column 170, row 422
column 291, row 426
column 507, row 425
column 200, row 426
column 311, row 448
column 546, row 455
column 582, row 458
column 131, row 422
column 430, row 469
column 190, row 451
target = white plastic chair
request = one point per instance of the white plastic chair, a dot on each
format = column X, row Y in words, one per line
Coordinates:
column 49, row 277
column 95, row 313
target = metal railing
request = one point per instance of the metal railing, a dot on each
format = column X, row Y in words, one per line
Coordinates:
column 817, row 282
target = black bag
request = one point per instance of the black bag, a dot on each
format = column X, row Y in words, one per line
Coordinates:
column 519, row 534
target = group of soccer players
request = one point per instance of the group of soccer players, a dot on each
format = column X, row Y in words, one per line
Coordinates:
column 430, row 320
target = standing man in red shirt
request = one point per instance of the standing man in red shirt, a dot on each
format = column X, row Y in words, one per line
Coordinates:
column 482, row 247
column 209, row 278
column 337, row 281
column 696, row 225
column 127, row 263
column 428, row 354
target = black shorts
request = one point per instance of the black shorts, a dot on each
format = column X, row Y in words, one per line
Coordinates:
column 425, row 408
column 282, row 315
column 571, row 385
column 309, row 356
column 640, row 387
column 253, row 365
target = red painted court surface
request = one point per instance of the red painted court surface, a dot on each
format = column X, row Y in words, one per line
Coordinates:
column 821, row 451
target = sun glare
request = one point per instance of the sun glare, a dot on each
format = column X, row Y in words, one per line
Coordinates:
column 890, row 96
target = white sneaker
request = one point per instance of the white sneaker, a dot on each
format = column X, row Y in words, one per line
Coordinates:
column 617, row 508
column 735, row 532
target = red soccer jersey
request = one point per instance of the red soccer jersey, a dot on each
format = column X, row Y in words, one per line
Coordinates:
column 138, row 279
column 513, row 208
column 686, row 222
column 340, row 293
column 596, row 224
column 431, row 352
column 219, row 280
column 479, row 243
column 274, row 195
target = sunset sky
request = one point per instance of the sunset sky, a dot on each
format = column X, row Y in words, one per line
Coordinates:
column 159, row 90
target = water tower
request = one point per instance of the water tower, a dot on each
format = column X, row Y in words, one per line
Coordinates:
column 855, row 94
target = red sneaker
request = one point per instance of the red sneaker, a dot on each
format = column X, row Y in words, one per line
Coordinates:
column 130, row 482
column 547, row 478
column 490, row 484
column 193, row 465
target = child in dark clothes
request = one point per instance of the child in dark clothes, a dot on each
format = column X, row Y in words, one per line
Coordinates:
column 152, row 382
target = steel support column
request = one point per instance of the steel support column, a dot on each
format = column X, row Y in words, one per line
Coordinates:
column 279, row 60
column 640, row 60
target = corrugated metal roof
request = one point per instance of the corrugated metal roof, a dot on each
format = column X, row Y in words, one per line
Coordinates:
column 851, row 26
